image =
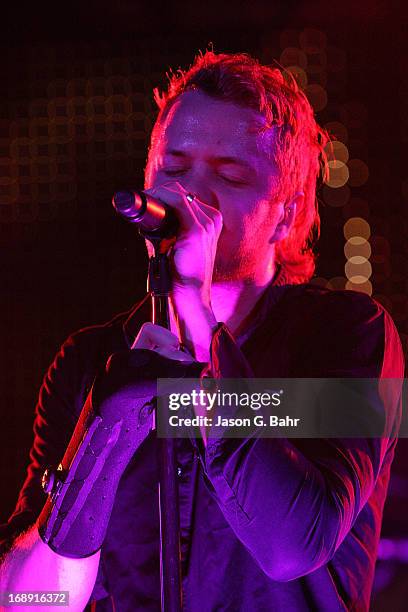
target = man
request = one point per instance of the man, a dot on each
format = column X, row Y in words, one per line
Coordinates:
column 266, row 524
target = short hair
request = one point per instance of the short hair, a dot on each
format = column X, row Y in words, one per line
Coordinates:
column 299, row 154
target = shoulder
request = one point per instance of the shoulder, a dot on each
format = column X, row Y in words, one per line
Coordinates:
column 334, row 305
column 344, row 327
column 82, row 354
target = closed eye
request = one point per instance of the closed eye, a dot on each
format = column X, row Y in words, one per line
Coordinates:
column 233, row 180
column 174, row 171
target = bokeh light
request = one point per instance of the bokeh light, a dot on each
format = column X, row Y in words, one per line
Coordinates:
column 356, row 226
column 357, row 250
column 299, row 75
column 338, row 174
column 337, row 130
column 357, row 246
column 292, row 56
column 336, row 151
column 364, row 287
column 358, row 270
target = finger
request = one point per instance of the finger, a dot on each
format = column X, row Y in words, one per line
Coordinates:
column 151, row 335
column 175, row 355
column 207, row 215
column 171, row 195
column 188, row 211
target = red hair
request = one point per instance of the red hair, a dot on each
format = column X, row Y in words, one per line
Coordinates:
column 299, row 149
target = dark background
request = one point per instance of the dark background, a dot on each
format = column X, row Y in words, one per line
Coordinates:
column 76, row 111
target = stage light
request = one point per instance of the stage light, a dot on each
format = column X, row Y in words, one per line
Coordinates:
column 338, row 174
column 337, row 130
column 358, row 270
column 356, row 226
column 357, row 251
column 357, row 246
column 292, row 56
column 336, row 151
column 363, row 287
column 299, row 75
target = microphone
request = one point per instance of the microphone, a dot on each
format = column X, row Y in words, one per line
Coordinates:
column 152, row 216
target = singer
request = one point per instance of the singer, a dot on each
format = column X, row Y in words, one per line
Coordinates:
column 266, row 524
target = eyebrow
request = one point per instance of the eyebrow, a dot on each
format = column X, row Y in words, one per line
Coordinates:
column 221, row 159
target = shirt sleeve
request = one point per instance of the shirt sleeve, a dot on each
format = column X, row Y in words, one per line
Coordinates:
column 292, row 502
column 56, row 413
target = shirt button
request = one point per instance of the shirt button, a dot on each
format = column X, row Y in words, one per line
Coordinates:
column 179, row 471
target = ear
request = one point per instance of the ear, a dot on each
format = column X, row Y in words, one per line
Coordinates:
column 288, row 217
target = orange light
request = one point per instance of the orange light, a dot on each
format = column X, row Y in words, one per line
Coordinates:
column 336, row 151
column 338, row 174
column 358, row 271
column 357, row 246
column 356, row 226
column 364, row 287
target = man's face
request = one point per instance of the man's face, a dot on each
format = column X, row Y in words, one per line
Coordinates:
column 216, row 151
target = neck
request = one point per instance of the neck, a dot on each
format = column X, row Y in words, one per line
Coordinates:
column 233, row 300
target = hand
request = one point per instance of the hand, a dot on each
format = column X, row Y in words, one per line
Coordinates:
column 160, row 340
column 192, row 254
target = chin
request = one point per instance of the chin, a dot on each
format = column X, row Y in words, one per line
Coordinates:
column 233, row 269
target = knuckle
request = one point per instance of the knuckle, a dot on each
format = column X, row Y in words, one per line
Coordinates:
column 147, row 327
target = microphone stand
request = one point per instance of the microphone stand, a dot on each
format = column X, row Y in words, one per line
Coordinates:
column 159, row 285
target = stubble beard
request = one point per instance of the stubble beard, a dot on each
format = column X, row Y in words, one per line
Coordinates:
column 234, row 264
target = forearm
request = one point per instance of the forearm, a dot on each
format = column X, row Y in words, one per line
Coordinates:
column 32, row 566
column 291, row 512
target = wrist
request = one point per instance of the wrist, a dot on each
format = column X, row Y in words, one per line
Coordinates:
column 195, row 322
